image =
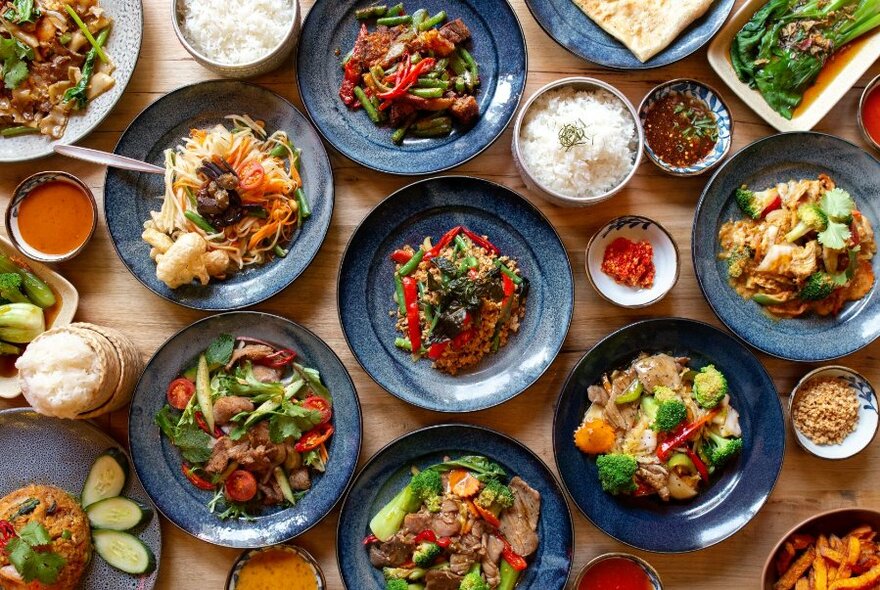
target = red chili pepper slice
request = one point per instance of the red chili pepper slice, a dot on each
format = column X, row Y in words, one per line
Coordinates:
column 508, row 285
column 426, row 535
column 401, row 256
column 667, row 446
column 480, row 241
column 312, row 439
column 278, row 359
column 462, row 338
column 515, row 560
column 444, row 241
column 200, row 420
column 6, row 533
column 194, row 479
column 774, row 204
column 643, row 490
column 698, row 463
column 411, row 301
column 318, row 404
column 370, row 539
column 444, row 542
column 409, row 78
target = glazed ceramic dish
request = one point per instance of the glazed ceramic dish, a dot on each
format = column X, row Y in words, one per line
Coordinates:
column 246, row 556
column 780, row 158
column 130, row 196
column 388, row 471
column 635, row 228
column 827, row 92
column 869, row 88
column 430, row 208
column 157, row 462
column 653, row 576
column 734, row 496
column 68, row 448
column 575, row 31
column 124, row 46
column 498, row 46
column 716, row 105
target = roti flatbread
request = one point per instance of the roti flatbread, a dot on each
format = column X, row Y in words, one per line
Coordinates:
column 646, row 27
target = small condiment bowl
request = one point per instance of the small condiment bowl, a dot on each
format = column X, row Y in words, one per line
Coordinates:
column 652, row 574
column 871, row 87
column 269, row 62
column 578, row 83
column 20, row 194
column 716, row 104
column 635, row 228
column 245, row 556
column 868, row 418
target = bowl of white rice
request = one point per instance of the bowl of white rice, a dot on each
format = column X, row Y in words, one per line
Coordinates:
column 237, row 38
column 577, row 141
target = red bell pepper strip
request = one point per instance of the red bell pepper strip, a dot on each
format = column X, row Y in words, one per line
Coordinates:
column 6, row 533
column 508, row 286
column 411, row 301
column 406, row 82
column 370, row 539
column 462, row 338
column 774, row 204
column 200, row 420
column 480, row 241
column 643, row 490
column 401, row 256
column 278, row 359
column 426, row 535
column 194, row 479
column 680, row 437
column 515, row 560
column 444, row 542
column 698, row 463
column 437, row 349
column 444, row 241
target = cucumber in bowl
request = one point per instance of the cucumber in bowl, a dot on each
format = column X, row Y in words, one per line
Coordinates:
column 123, row 551
column 117, row 514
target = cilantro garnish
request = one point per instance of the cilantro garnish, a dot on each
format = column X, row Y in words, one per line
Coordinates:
column 28, row 557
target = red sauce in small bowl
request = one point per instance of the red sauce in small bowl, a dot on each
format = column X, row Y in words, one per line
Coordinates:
column 616, row 573
column 871, row 114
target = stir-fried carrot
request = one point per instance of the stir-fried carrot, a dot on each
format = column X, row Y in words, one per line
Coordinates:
column 486, row 515
column 463, row 484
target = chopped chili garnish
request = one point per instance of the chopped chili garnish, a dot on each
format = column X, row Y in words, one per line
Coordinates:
column 630, row 263
column 278, row 359
column 313, row 438
column 200, row 420
column 426, row 535
column 194, row 479
column 6, row 533
column 370, row 539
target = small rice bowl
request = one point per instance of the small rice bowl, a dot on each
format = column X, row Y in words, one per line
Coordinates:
column 603, row 154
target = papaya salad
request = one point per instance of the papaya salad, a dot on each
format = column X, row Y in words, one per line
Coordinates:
column 458, row 300
column 660, row 427
column 460, row 524
column 233, row 198
column 251, row 425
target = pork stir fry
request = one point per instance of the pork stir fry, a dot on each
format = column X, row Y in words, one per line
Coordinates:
column 660, row 427
column 457, row 526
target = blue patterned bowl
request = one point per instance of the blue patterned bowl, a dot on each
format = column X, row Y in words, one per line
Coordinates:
column 868, row 417
column 388, row 471
column 722, row 117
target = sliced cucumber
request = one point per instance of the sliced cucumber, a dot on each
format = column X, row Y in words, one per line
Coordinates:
column 123, row 551
column 117, row 514
column 203, row 392
column 106, row 477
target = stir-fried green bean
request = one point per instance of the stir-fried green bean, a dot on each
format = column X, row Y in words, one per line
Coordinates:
column 371, row 12
column 16, row 131
column 199, row 221
column 398, row 292
column 395, row 10
column 433, row 21
column 427, row 92
column 393, row 21
column 369, row 108
column 418, row 17
column 432, row 83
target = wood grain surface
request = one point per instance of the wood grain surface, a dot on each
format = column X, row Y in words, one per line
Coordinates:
column 111, row 296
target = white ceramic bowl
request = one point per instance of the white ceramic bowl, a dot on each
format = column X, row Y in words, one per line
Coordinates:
column 866, row 428
column 635, row 228
column 578, row 83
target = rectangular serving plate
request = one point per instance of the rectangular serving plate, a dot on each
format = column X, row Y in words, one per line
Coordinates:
column 833, row 83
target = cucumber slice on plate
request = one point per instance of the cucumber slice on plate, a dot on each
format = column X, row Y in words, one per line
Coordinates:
column 106, row 477
column 123, row 551
column 117, row 514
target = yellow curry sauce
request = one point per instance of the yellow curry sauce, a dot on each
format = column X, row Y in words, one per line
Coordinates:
column 277, row 568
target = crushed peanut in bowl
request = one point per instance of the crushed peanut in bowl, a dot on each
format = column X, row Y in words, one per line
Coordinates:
column 826, row 410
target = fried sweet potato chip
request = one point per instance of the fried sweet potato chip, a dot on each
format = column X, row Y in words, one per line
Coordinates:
column 830, row 562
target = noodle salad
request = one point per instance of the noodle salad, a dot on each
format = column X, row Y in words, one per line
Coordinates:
column 233, row 198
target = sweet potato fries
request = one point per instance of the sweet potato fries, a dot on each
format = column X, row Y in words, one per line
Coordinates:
column 828, row 562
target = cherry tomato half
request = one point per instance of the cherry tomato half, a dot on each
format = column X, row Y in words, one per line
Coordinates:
column 180, row 391
column 241, row 486
column 251, row 176
column 318, row 404
column 312, row 439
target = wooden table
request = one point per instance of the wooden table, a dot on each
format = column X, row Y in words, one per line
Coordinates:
column 111, row 296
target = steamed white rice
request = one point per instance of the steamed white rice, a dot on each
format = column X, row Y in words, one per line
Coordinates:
column 594, row 167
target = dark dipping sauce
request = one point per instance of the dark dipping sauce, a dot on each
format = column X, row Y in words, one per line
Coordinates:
column 680, row 129
column 615, row 573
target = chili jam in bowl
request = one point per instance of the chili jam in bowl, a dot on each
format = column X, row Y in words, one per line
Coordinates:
column 869, row 113
column 688, row 127
column 618, row 571
column 51, row 216
column 632, row 261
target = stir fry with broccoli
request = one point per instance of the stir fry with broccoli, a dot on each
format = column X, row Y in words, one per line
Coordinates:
column 460, row 524
column 412, row 72
column 660, row 427
column 251, row 424
column 803, row 247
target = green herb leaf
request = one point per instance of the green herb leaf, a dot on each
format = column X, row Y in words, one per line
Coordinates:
column 34, row 534
column 837, row 205
column 294, row 420
column 193, row 443
column 835, row 235
column 313, row 378
column 14, row 53
column 34, row 565
column 219, row 352
column 22, row 11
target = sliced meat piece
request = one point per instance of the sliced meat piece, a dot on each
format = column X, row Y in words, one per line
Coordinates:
column 258, row 438
column 426, row 104
column 442, row 580
column 250, row 352
column 271, row 492
column 227, row 407
column 417, row 522
column 465, row 109
column 265, row 374
column 657, row 369
column 492, row 560
column 520, row 521
column 432, row 40
column 219, row 456
column 300, row 480
column 446, row 523
column 391, row 553
column 400, row 112
column 597, row 394
column 455, row 31
column 250, row 458
column 460, row 563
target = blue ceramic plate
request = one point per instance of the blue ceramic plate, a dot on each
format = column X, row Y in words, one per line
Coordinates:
column 780, row 158
column 497, row 43
column 430, row 208
column 575, row 31
column 734, row 496
column 157, row 462
column 67, row 449
column 388, row 471
column 130, row 196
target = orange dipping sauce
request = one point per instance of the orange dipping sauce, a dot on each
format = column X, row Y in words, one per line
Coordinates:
column 55, row 217
column 616, row 573
column 871, row 114
column 273, row 569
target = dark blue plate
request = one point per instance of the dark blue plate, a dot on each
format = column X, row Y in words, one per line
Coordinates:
column 430, row 208
column 130, row 196
column 388, row 471
column 574, row 30
column 734, row 496
column 780, row 158
column 158, row 463
column 497, row 43
column 67, row 449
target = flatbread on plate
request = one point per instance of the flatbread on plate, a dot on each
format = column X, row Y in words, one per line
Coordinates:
column 646, row 27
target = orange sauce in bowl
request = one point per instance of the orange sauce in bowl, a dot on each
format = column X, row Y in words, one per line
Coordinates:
column 272, row 569
column 871, row 114
column 615, row 573
column 55, row 217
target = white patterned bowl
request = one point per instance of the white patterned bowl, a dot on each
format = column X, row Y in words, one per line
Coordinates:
column 722, row 117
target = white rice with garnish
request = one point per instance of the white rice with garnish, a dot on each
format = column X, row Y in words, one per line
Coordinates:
column 580, row 143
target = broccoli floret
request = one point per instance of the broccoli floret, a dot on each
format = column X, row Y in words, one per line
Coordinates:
column 426, row 553
column 720, row 450
column 669, row 415
column 819, row 285
column 433, row 503
column 10, row 288
column 664, row 394
column 810, row 218
column 474, row 581
column 396, row 584
column 757, row 205
column 403, row 573
column 737, row 260
column 710, row 387
column 616, row 472
column 427, row 486
column 495, row 493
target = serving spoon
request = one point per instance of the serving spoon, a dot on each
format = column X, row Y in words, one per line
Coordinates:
column 106, row 158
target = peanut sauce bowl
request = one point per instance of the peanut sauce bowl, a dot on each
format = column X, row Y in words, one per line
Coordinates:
column 713, row 102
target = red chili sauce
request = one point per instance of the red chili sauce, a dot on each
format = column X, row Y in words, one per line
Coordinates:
column 616, row 573
column 630, row 263
column 871, row 114
column 680, row 129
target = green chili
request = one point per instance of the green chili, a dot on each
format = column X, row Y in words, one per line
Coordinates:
column 16, row 131
column 200, row 221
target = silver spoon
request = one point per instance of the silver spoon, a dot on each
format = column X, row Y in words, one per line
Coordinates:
column 106, row 158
